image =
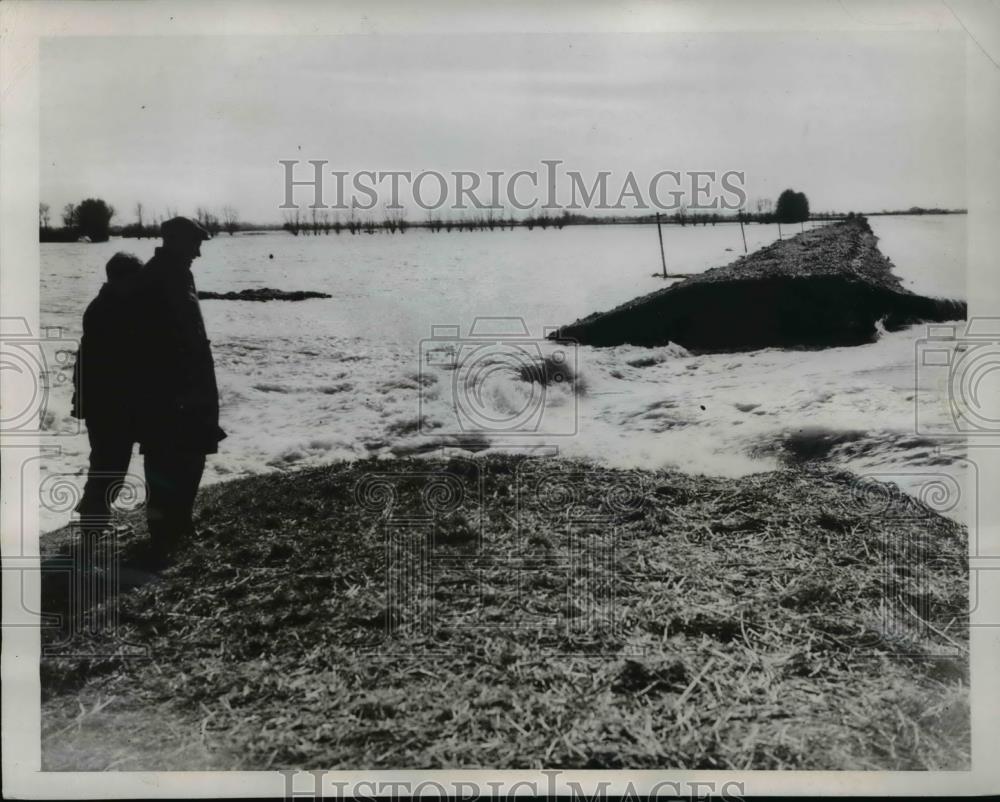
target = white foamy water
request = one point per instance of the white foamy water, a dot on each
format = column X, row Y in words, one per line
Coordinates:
column 365, row 373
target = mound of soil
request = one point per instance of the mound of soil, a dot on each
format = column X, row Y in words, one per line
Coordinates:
column 825, row 287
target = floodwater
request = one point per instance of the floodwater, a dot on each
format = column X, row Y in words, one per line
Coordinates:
column 429, row 340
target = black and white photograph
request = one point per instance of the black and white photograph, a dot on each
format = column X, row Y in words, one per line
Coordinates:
column 530, row 390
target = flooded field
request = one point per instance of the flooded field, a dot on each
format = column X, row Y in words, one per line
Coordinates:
column 386, row 365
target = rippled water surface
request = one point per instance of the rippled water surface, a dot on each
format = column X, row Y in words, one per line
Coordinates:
column 367, row 373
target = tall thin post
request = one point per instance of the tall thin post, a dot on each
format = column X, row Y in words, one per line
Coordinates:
column 659, row 232
column 744, row 233
column 779, row 229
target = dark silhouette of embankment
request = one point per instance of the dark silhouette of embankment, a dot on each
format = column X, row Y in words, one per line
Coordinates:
column 829, row 286
column 262, row 294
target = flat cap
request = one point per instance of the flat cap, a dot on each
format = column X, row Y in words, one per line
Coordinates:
column 183, row 227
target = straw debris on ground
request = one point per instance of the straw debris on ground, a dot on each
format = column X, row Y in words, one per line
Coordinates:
column 512, row 612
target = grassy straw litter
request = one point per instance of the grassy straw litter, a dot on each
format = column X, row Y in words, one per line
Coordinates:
column 512, row 612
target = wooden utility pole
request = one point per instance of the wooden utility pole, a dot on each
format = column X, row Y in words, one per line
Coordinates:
column 659, row 232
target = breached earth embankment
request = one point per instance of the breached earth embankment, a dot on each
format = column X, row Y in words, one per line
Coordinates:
column 829, row 286
column 511, row 612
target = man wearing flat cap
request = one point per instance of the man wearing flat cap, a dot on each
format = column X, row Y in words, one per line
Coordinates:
column 179, row 407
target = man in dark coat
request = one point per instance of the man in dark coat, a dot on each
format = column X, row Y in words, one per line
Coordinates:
column 179, row 420
column 104, row 389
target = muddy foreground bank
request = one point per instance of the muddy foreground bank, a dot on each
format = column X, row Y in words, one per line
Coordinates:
column 507, row 612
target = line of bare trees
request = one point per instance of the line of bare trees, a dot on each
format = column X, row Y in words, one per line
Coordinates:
column 91, row 219
column 321, row 221
column 147, row 225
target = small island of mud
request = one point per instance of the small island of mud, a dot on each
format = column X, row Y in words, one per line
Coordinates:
column 262, row 294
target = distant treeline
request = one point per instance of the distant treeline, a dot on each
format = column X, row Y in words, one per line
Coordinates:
column 228, row 220
column 90, row 220
column 321, row 222
column 917, row 210
column 299, row 224
column 315, row 222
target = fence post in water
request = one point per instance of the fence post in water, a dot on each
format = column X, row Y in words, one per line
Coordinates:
column 659, row 232
column 779, row 230
column 744, row 233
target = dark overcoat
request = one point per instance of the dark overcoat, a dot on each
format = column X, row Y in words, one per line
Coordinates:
column 179, row 397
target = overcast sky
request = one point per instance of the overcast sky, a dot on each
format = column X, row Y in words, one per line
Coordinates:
column 857, row 121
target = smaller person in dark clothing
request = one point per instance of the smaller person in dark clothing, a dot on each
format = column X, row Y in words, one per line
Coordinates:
column 103, row 389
